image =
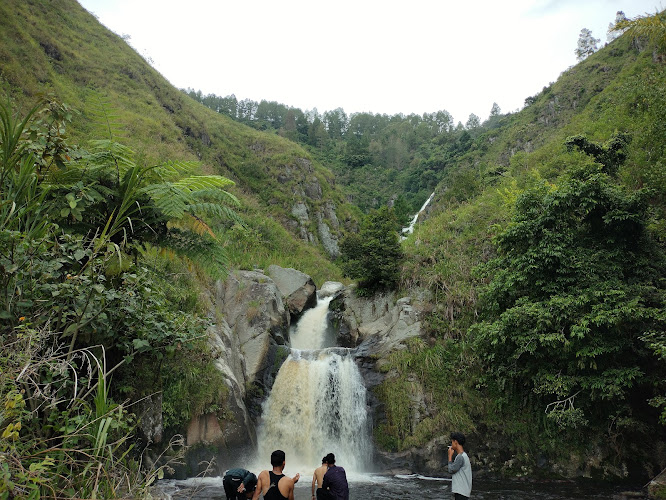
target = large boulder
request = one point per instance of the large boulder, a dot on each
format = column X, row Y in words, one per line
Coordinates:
column 330, row 288
column 249, row 324
column 297, row 288
column 381, row 318
column 254, row 311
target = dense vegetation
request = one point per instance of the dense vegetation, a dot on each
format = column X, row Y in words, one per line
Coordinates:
column 379, row 159
column 541, row 260
column 87, row 304
column 546, row 269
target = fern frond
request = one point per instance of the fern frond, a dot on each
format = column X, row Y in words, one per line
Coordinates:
column 175, row 169
column 215, row 210
column 207, row 253
column 103, row 116
column 197, row 225
column 171, row 201
column 199, row 182
column 110, row 155
column 219, row 195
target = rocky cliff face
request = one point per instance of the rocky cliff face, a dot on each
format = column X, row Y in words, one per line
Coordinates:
column 251, row 315
column 378, row 323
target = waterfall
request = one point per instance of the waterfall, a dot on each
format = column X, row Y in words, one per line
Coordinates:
column 308, row 332
column 317, row 404
column 410, row 229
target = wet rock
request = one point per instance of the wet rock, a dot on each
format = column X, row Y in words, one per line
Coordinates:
column 383, row 318
column 149, row 413
column 330, row 288
column 297, row 288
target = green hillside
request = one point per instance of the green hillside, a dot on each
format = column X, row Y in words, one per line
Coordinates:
column 59, row 47
column 543, row 253
column 539, row 266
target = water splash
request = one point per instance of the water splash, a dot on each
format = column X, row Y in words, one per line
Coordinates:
column 311, row 331
column 317, row 404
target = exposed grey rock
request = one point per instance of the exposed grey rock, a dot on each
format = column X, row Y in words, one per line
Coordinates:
column 297, row 288
column 149, row 413
column 330, row 288
column 305, row 164
column 239, row 430
column 328, row 241
column 300, row 211
column 253, row 308
column 390, row 321
column 329, row 213
column 313, row 189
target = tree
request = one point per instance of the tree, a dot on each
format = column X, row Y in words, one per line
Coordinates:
column 495, row 110
column 587, row 44
column 612, row 34
column 336, row 123
column 473, row 122
column 576, row 284
column 373, row 255
column 403, row 211
column 652, row 28
column 611, row 155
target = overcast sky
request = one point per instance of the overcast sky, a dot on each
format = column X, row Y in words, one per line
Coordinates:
column 380, row 56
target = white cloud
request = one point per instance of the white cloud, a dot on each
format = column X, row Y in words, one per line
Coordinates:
column 364, row 55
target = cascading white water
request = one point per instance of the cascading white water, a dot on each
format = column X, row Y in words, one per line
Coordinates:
column 311, row 329
column 317, row 405
column 410, row 229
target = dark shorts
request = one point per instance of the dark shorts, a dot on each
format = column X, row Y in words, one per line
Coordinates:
column 231, row 485
column 458, row 496
column 323, row 494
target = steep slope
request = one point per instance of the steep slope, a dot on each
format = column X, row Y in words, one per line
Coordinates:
column 61, row 48
column 518, row 174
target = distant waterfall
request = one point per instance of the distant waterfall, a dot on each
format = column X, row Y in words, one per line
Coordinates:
column 410, row 229
column 317, row 404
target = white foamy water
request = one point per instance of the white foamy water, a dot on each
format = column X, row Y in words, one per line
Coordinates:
column 310, row 331
column 317, row 404
column 410, row 229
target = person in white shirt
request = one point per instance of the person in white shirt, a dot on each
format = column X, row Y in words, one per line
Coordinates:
column 460, row 468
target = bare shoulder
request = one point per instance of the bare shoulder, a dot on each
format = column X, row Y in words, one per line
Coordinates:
column 263, row 477
column 287, row 480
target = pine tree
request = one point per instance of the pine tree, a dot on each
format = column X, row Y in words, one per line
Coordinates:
column 587, row 44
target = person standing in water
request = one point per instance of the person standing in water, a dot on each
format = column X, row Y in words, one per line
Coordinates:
column 317, row 479
column 335, row 481
column 274, row 485
column 461, row 480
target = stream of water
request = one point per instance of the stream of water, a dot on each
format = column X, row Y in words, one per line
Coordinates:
column 318, row 405
column 412, row 487
column 410, row 228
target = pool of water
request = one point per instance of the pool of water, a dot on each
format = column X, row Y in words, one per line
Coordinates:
column 413, row 486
